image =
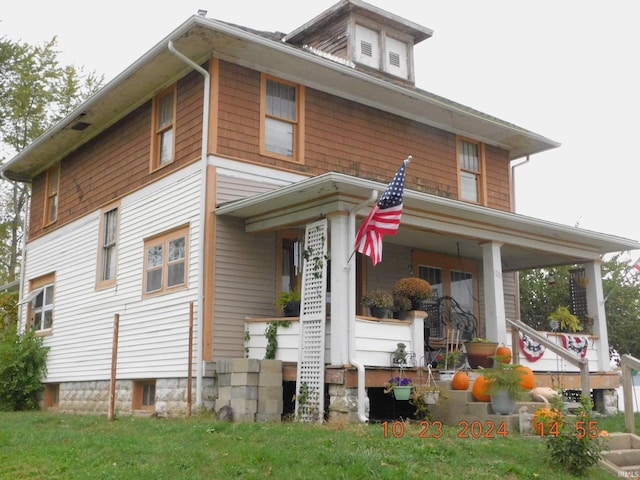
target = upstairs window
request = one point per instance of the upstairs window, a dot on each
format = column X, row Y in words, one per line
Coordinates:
column 165, row 263
column 470, row 167
column 107, row 255
column 51, row 199
column 281, row 132
column 163, row 142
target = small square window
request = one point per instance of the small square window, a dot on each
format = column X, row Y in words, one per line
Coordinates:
column 144, row 395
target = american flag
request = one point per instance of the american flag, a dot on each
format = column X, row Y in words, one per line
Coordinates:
column 384, row 218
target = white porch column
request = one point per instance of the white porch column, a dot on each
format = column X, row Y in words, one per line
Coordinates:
column 595, row 307
column 494, row 312
column 340, row 243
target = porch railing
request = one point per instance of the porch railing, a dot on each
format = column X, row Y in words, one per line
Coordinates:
column 628, row 363
column 581, row 363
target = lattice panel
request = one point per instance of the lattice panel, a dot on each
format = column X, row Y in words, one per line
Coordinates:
column 310, row 380
column 578, row 291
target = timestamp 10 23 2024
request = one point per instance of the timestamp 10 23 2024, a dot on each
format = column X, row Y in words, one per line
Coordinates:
column 466, row 429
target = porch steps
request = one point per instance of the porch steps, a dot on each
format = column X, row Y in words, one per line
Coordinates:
column 623, row 458
column 459, row 408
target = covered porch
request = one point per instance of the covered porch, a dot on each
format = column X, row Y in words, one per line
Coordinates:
column 493, row 245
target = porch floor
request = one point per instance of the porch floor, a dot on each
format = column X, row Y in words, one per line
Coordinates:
column 347, row 375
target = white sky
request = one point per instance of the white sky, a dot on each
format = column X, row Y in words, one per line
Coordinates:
column 565, row 69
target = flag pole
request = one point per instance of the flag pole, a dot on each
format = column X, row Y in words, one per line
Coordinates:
column 372, row 198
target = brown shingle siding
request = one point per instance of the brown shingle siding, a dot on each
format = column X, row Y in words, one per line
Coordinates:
column 116, row 162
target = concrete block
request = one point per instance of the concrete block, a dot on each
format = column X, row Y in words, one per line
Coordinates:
column 270, row 379
column 271, row 366
column 244, row 378
column 246, row 392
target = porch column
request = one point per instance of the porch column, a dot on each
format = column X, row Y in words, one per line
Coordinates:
column 494, row 313
column 595, row 307
column 340, row 251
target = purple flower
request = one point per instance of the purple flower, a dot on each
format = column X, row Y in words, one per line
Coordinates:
column 400, row 382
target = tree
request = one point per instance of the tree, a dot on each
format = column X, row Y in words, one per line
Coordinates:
column 543, row 290
column 35, row 92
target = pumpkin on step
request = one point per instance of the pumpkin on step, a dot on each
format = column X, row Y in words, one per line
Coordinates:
column 460, row 381
column 503, row 354
column 480, row 389
column 528, row 379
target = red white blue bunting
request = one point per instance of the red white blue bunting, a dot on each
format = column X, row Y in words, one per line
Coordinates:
column 530, row 348
column 576, row 344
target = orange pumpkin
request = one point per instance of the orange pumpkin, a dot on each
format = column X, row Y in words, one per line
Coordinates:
column 528, row 380
column 479, row 390
column 547, row 421
column 460, row 381
column 503, row 353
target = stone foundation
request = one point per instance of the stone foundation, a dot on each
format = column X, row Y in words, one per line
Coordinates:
column 343, row 404
column 92, row 397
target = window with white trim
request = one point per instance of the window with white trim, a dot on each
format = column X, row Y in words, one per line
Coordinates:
column 40, row 302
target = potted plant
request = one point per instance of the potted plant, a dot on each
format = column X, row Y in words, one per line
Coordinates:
column 401, row 305
column 289, row 302
column 562, row 319
column 379, row 302
column 504, row 386
column 448, row 363
column 415, row 289
column 400, row 387
column 480, row 352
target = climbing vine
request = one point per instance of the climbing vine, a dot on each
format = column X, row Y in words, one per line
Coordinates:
column 271, row 332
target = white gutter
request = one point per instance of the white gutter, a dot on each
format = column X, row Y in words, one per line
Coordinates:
column 203, row 216
column 513, row 181
column 362, row 394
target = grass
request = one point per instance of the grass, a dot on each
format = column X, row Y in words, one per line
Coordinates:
column 36, row 445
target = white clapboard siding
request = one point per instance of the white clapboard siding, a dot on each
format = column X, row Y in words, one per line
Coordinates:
column 288, row 341
column 154, row 330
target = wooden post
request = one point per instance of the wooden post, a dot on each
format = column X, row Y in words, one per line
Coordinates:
column 190, row 364
column 114, row 364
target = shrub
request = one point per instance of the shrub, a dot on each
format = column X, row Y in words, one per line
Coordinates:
column 577, row 445
column 22, row 368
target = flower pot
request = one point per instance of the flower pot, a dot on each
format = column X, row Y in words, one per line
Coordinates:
column 400, row 314
column 478, row 353
column 502, row 403
column 379, row 312
column 431, row 397
column 447, row 375
column 292, row 309
column 402, row 393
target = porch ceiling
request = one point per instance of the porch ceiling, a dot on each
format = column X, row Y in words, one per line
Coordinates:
column 429, row 222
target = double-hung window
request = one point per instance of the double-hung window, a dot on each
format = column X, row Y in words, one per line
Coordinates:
column 281, row 132
column 166, row 262
column 164, row 119
column 470, row 165
column 51, row 198
column 107, row 256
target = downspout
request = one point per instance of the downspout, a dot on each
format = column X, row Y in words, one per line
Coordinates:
column 352, row 314
column 513, row 180
column 203, row 215
column 23, row 259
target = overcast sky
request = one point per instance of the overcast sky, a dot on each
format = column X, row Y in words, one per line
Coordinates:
column 565, row 69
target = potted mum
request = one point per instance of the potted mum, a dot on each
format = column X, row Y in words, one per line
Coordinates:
column 379, row 302
column 415, row 289
column 401, row 305
column 290, row 302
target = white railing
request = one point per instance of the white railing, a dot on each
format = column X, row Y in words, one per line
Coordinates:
column 628, row 363
column 376, row 339
column 581, row 363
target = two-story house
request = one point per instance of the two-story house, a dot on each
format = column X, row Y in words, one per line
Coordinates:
column 178, row 201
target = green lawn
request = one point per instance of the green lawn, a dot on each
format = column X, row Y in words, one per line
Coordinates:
column 38, row 445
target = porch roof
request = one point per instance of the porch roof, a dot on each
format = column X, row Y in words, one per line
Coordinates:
column 429, row 222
